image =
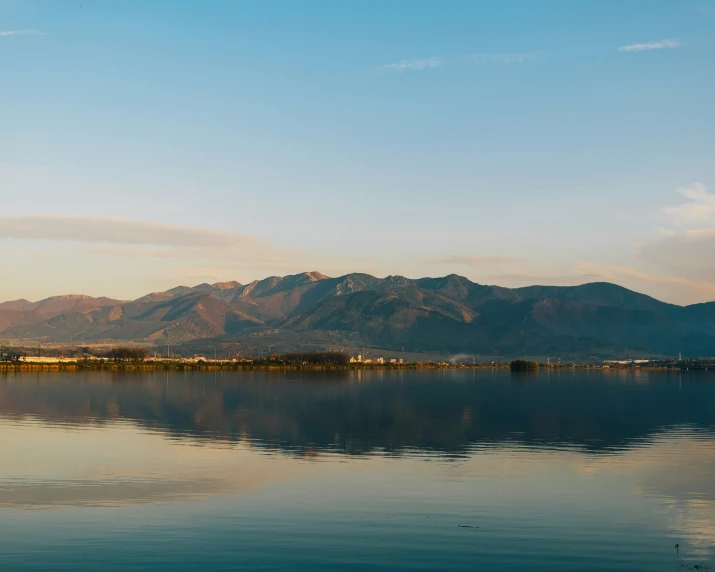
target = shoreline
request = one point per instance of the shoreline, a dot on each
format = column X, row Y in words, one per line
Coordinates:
column 168, row 366
column 227, row 367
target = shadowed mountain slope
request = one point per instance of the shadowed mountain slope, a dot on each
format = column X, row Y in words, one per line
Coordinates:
column 601, row 293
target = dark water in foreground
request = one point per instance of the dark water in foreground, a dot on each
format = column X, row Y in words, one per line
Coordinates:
column 356, row 470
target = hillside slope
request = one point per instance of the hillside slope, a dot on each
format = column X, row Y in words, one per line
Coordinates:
column 447, row 314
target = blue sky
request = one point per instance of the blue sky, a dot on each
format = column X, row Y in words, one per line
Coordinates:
column 148, row 144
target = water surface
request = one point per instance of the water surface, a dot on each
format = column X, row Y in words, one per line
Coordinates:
column 455, row 470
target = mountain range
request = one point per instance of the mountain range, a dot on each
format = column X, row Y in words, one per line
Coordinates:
column 443, row 315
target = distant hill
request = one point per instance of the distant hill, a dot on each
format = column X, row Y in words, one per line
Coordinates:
column 450, row 314
column 601, row 293
column 23, row 312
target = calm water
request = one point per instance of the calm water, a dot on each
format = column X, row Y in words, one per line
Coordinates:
column 380, row 471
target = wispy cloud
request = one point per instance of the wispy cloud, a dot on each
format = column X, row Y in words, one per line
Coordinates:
column 145, row 239
column 114, row 230
column 506, row 59
column 22, row 33
column 135, row 240
column 470, row 60
column 676, row 265
column 699, row 208
column 658, row 45
column 413, row 65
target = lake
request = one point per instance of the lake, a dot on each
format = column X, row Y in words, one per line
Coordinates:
column 357, row 470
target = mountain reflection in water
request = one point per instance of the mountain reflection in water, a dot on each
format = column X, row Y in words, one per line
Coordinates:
column 357, row 412
column 381, row 470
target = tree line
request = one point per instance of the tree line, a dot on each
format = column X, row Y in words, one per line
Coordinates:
column 126, row 354
column 316, row 358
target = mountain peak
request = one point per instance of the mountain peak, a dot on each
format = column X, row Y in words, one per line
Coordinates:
column 67, row 297
column 20, row 305
column 314, row 276
column 230, row 285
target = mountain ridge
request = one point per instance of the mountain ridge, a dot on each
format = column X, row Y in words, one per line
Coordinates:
column 449, row 313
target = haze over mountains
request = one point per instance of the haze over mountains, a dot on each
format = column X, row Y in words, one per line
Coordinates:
column 445, row 315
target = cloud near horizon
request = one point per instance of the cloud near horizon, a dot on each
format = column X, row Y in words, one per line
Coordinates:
column 700, row 208
column 111, row 236
column 689, row 254
column 114, row 230
column 674, row 266
column 22, row 33
column 658, row 45
column 680, row 289
column 172, row 251
column 681, row 258
column 120, row 258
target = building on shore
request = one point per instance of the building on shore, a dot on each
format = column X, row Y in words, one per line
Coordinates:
column 49, row 359
column 625, row 361
column 379, row 360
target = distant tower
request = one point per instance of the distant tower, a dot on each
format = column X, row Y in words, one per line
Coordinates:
column 680, row 356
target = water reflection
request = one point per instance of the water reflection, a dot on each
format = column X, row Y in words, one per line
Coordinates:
column 577, row 471
column 357, row 412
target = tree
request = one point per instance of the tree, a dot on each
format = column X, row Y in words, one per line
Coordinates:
column 127, row 354
column 523, row 365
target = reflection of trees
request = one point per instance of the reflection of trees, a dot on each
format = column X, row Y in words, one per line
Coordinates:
column 356, row 412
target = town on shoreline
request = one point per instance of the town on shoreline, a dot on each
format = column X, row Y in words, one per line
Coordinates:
column 137, row 359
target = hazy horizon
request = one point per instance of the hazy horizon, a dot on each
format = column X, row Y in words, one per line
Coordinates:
column 323, row 275
column 146, row 146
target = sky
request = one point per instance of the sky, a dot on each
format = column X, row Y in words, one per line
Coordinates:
column 145, row 145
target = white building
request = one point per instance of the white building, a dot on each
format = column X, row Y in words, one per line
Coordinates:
column 45, row 359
